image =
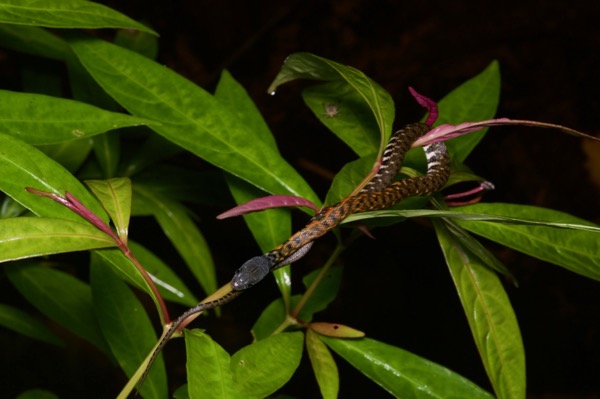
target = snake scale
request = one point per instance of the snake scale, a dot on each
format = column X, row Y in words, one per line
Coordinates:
column 379, row 193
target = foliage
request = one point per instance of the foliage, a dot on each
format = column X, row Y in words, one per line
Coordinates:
column 129, row 115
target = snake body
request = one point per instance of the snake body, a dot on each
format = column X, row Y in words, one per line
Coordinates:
column 379, row 193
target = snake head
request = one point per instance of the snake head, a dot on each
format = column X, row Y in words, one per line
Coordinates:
column 251, row 272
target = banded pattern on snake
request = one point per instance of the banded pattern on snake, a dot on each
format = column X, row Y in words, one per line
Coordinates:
column 379, row 193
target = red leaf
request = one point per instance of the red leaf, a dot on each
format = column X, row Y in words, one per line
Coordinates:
column 271, row 201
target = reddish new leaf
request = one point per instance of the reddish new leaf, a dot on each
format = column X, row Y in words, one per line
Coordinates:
column 271, row 201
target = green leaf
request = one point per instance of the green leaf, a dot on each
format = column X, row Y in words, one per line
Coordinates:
column 26, row 237
column 357, row 84
column 323, row 365
column 23, row 323
column 402, row 373
column 476, row 99
column 60, row 296
column 115, row 197
column 189, row 116
column 236, row 100
column 126, row 326
column 22, row 165
column 155, row 148
column 325, row 292
column 269, row 228
column 271, row 317
column 11, row 208
column 169, row 284
column 107, row 148
column 33, row 40
column 37, row 394
column 490, row 315
column 70, row 154
column 575, row 250
column 209, row 376
column 40, row 119
column 335, row 330
column 65, row 14
column 181, row 392
column 178, row 226
column 263, row 367
column 463, row 214
column 352, row 120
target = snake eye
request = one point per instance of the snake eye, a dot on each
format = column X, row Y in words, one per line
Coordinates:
column 251, row 272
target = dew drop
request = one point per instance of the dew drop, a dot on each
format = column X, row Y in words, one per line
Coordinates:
column 273, row 93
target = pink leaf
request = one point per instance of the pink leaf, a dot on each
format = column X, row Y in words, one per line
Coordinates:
column 271, row 201
column 446, row 132
column 428, row 104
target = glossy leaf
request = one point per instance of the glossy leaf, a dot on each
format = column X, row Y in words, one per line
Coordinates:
column 40, row 119
column 476, row 99
column 272, row 317
column 154, row 149
column 234, row 98
column 575, row 250
column 65, row 14
column 472, row 245
column 125, row 326
column 269, row 229
column 335, row 330
column 490, row 315
column 177, row 224
column 189, row 116
column 325, row 292
column 402, row 373
column 209, row 375
column 60, row 296
column 344, row 111
column 263, row 367
column 169, row 284
column 496, row 213
column 11, row 208
column 26, row 237
column 70, row 154
column 23, row 323
column 22, row 165
column 361, row 87
column 107, row 149
column 32, row 40
column 323, row 366
column 115, row 197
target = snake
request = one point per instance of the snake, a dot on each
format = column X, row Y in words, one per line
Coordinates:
column 380, row 192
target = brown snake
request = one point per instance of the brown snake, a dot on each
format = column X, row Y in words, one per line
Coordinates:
column 379, row 193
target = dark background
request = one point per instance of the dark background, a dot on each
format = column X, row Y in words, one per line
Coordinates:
column 549, row 54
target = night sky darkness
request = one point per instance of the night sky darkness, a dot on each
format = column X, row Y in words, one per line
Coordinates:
column 397, row 288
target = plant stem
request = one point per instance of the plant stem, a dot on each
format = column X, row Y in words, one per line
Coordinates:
column 311, row 288
column 162, row 307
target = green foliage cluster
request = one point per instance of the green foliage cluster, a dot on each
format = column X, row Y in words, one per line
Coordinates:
column 120, row 93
